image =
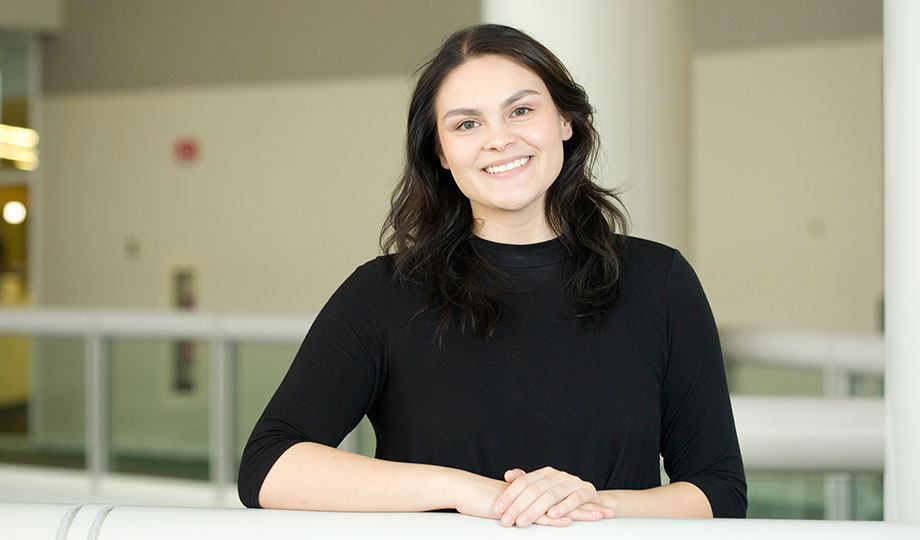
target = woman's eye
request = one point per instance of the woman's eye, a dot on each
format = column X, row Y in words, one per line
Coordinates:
column 520, row 111
column 467, row 124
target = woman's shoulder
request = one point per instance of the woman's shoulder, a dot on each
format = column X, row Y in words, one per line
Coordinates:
column 652, row 264
column 363, row 294
column 380, row 267
column 374, row 274
column 644, row 255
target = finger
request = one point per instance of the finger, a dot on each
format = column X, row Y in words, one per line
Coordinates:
column 581, row 514
column 551, row 522
column 508, row 496
column 513, row 474
column 607, row 511
column 519, row 483
column 541, row 496
column 583, row 494
column 522, row 495
column 591, row 512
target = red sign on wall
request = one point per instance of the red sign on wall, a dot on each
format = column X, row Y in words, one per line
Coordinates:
column 186, row 150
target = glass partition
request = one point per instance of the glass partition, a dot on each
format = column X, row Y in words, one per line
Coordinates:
column 159, row 407
column 803, row 495
column 42, row 411
column 867, row 385
column 756, row 379
column 259, row 369
column 867, row 501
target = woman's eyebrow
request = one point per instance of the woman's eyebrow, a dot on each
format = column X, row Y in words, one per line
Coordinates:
column 461, row 112
column 476, row 112
column 518, row 95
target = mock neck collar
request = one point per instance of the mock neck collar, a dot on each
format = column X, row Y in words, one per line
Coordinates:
column 520, row 255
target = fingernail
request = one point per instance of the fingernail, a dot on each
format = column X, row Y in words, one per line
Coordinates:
column 554, row 512
column 499, row 506
column 506, row 520
column 522, row 520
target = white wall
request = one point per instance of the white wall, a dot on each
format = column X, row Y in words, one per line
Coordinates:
column 286, row 200
column 785, row 202
column 787, row 184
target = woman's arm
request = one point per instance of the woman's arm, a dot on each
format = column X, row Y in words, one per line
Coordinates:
column 316, row 477
column 680, row 499
column 699, row 445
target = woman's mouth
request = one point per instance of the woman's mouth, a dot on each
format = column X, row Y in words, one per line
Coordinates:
column 505, row 167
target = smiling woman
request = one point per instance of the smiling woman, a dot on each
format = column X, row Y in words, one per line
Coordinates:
column 519, row 357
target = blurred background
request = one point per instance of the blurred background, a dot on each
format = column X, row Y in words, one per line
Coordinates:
column 185, row 182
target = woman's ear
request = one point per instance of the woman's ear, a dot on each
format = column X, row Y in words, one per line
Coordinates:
column 566, row 119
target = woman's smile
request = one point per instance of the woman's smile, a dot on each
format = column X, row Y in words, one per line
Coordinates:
column 507, row 166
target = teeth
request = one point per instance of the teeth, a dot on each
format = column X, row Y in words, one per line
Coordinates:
column 507, row 166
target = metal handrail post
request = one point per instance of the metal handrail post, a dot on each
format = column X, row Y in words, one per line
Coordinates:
column 221, row 416
column 97, row 400
column 838, row 487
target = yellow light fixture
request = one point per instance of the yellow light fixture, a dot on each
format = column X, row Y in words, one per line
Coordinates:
column 19, row 144
column 18, row 153
column 14, row 212
column 18, row 136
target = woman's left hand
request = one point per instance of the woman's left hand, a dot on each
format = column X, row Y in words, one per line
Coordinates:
column 555, row 494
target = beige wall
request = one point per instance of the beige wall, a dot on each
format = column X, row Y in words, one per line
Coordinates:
column 787, row 184
column 294, row 179
column 31, row 15
column 285, row 201
column 118, row 44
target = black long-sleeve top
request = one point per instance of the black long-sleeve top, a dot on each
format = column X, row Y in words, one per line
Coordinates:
column 601, row 404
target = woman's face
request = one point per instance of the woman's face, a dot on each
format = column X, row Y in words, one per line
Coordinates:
column 501, row 138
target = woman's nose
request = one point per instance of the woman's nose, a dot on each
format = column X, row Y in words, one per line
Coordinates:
column 500, row 137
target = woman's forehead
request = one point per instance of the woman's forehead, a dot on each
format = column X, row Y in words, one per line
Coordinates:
column 486, row 81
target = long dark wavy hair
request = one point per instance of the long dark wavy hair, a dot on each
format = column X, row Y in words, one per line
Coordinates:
column 430, row 223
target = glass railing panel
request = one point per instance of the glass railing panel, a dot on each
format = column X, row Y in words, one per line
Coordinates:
column 789, row 495
column 159, row 407
column 867, row 385
column 785, row 495
column 367, row 439
column 867, row 497
column 42, row 418
column 796, row 495
column 259, row 370
column 760, row 379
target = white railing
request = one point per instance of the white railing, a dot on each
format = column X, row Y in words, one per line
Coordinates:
column 97, row 327
column 823, row 434
column 842, row 433
column 826, row 351
column 107, row 522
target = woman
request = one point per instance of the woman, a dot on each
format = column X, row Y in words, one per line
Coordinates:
column 519, row 359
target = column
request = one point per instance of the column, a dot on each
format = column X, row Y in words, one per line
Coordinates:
column 902, row 260
column 632, row 57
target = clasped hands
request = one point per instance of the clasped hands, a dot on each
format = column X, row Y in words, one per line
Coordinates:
column 544, row 497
